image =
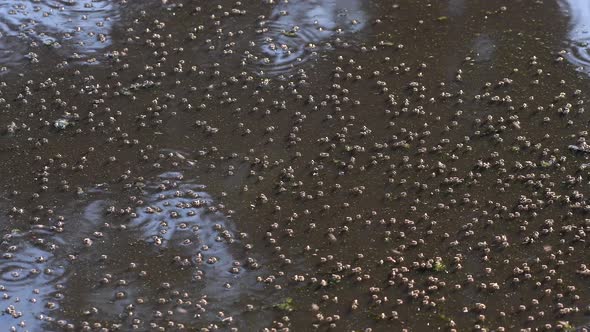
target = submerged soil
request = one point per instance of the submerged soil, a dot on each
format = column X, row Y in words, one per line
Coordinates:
column 297, row 165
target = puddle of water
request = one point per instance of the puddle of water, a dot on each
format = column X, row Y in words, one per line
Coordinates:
column 332, row 228
column 78, row 28
column 297, row 30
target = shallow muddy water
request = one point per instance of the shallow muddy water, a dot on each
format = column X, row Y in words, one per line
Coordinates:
column 275, row 165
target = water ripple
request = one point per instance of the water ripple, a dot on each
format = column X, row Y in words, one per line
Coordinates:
column 174, row 252
column 74, row 28
column 31, row 278
column 579, row 32
column 297, row 30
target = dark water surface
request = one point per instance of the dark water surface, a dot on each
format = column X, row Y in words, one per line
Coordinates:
column 331, row 165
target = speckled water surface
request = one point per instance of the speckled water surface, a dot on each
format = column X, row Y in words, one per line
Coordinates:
column 302, row 165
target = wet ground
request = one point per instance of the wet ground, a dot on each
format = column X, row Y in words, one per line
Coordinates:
column 331, row 165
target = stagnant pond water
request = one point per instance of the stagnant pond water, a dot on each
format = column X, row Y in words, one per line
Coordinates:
column 274, row 165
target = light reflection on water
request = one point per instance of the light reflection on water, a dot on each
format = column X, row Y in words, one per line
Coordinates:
column 175, row 253
column 297, row 29
column 456, row 7
column 185, row 243
column 74, row 28
column 484, row 48
column 32, row 275
column 579, row 32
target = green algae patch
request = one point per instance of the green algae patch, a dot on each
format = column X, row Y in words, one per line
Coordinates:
column 286, row 305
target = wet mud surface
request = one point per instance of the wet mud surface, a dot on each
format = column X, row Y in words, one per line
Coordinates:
column 294, row 165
